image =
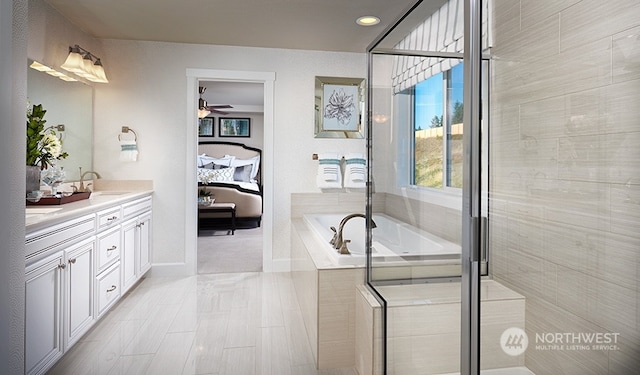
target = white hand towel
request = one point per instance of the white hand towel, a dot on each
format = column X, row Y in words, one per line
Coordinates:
column 329, row 174
column 128, row 150
column 355, row 173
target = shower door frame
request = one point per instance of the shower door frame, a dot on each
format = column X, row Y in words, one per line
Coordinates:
column 473, row 223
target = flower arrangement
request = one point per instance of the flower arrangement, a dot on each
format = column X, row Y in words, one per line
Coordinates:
column 43, row 145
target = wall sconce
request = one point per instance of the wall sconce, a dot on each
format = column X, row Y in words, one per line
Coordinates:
column 380, row 118
column 81, row 62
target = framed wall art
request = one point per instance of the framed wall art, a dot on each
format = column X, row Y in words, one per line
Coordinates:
column 339, row 107
column 234, row 127
column 205, row 127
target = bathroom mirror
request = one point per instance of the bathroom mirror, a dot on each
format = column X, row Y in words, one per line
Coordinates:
column 69, row 104
column 339, row 107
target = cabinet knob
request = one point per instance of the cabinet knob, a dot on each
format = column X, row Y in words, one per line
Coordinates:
column 112, row 248
column 72, row 260
column 62, row 266
column 111, row 219
column 113, row 287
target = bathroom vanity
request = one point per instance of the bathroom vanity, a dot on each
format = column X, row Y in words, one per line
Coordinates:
column 80, row 258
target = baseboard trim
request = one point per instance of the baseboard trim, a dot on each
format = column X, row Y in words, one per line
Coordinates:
column 170, row 270
column 183, row 269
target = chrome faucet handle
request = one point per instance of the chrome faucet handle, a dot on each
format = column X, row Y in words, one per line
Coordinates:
column 343, row 248
column 335, row 236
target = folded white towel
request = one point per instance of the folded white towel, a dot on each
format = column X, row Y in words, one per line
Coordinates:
column 355, row 174
column 329, row 173
column 128, row 150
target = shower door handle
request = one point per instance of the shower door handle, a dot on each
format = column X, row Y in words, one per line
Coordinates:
column 476, row 244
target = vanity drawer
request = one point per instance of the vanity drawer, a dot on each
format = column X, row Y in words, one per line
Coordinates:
column 109, row 217
column 40, row 243
column 138, row 206
column 108, row 245
column 108, row 288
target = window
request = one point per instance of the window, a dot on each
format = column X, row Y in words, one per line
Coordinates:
column 437, row 130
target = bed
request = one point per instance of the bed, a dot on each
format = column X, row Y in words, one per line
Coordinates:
column 231, row 173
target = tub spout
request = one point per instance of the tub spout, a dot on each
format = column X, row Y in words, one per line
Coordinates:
column 338, row 243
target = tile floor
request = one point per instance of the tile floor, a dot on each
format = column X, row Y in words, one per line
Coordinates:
column 218, row 324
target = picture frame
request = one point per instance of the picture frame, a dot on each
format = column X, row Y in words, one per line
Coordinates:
column 205, row 127
column 234, row 127
column 339, row 107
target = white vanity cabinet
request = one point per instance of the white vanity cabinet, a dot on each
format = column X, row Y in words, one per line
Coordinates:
column 43, row 309
column 58, row 290
column 78, row 285
column 76, row 266
column 109, row 243
column 136, row 241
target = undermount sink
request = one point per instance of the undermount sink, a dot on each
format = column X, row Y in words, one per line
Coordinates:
column 107, row 192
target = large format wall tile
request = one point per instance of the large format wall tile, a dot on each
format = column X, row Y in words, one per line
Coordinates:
column 566, row 189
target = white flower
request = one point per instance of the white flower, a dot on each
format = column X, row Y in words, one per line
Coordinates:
column 51, row 145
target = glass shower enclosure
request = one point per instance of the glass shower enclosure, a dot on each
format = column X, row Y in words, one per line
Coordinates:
column 503, row 183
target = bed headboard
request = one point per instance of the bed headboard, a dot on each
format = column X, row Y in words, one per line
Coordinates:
column 218, row 149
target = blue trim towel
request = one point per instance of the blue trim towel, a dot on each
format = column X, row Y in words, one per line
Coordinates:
column 355, row 172
column 128, row 150
column 329, row 172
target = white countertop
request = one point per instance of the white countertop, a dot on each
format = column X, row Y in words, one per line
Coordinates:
column 38, row 218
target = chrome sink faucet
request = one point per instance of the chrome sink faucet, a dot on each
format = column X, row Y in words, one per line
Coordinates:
column 82, row 187
column 337, row 241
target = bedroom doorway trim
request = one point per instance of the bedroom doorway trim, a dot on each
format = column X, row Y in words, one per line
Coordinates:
column 194, row 76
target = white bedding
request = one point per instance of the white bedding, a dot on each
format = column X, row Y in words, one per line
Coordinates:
column 207, row 176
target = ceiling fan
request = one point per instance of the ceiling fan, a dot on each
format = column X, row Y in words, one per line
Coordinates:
column 204, row 107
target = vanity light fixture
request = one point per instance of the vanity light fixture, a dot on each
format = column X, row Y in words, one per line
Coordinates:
column 45, row 69
column 85, row 64
column 368, row 20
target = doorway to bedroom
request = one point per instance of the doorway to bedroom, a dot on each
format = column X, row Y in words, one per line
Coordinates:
column 230, row 236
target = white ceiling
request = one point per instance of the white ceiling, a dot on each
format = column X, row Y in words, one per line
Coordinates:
column 325, row 25
column 245, row 97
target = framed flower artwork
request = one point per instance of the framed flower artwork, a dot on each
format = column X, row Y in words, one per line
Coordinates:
column 339, row 107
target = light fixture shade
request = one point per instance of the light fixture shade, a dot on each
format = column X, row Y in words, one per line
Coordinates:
column 87, row 67
column 81, row 62
column 98, row 70
column 73, row 63
column 202, row 113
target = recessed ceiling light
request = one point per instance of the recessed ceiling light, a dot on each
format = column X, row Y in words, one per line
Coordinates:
column 368, row 20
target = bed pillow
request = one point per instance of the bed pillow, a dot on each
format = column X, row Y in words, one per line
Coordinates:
column 254, row 162
column 216, row 175
column 243, row 173
column 209, row 162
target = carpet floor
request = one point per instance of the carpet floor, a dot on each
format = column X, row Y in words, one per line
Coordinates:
column 222, row 253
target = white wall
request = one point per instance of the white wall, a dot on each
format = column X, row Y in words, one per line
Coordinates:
column 147, row 92
column 13, row 88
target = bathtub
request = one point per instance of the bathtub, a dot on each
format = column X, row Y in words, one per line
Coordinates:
column 393, row 241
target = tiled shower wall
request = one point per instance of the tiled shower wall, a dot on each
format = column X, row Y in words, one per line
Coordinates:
column 565, row 174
